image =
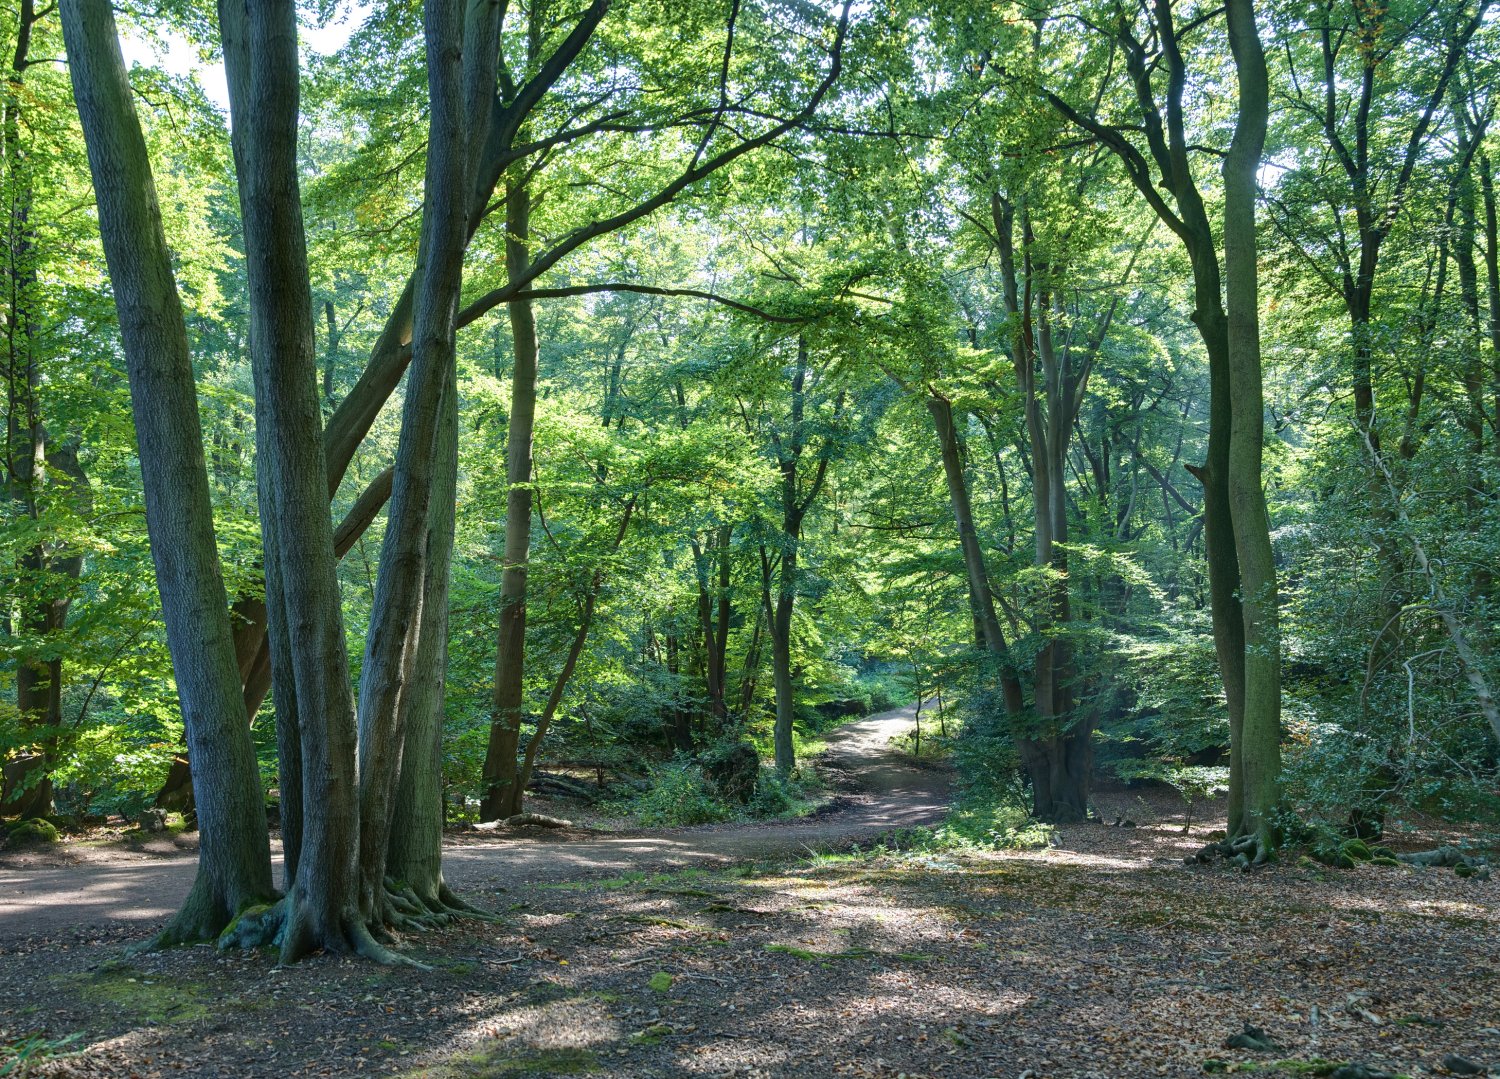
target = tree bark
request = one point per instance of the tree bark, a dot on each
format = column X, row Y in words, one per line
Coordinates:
column 234, row 864
column 397, row 614
column 1259, row 748
column 981, row 599
column 414, row 857
column 503, row 795
column 315, row 716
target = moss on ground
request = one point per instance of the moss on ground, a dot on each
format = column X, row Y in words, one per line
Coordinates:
column 31, row 833
column 144, row 999
column 497, row 1062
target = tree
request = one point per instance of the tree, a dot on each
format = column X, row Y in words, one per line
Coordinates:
column 1224, row 475
column 234, row 860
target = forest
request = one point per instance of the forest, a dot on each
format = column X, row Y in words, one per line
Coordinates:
column 750, row 537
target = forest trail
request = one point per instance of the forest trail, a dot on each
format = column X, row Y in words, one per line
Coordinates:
column 877, row 791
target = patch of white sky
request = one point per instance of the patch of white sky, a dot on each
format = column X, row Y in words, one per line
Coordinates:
column 176, row 55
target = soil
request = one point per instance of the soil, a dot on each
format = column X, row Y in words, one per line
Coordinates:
column 737, row 950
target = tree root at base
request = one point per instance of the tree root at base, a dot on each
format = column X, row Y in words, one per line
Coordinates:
column 282, row 925
column 1245, row 852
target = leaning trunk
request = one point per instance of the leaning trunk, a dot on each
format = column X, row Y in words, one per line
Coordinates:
column 981, row 600
column 397, row 611
column 414, row 857
column 234, row 863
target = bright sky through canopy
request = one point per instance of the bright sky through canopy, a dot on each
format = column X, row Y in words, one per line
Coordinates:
column 179, row 56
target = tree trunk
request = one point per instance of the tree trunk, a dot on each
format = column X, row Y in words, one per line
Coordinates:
column 1259, row 748
column 252, row 651
column 502, row 796
column 234, row 864
column 304, row 615
column 414, row 855
column 396, row 613
column 779, row 617
column 981, row 600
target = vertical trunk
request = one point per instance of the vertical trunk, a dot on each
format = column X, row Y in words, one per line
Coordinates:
column 1218, row 531
column 414, row 856
column 1259, row 749
column 396, row 616
column 1058, row 762
column 331, row 362
column 304, row 617
column 234, row 864
column 502, row 798
column 1464, row 237
column 779, row 617
column 795, row 502
column 713, row 616
column 1492, row 281
column 252, row 649
column 44, row 602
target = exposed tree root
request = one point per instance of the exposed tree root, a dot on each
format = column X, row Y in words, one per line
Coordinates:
column 1449, row 857
column 284, row 926
column 432, row 904
column 1245, row 852
column 202, row 917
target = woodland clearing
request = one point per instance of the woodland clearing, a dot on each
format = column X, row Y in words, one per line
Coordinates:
column 726, row 951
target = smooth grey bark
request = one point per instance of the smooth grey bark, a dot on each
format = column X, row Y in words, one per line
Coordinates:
column 503, row 794
column 304, row 614
column 234, row 862
column 396, row 616
column 1259, row 748
column 414, row 858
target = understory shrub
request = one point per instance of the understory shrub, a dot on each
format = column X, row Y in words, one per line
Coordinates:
column 780, row 796
column 679, row 794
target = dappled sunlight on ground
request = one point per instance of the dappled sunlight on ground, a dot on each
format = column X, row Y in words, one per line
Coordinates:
column 1103, row 956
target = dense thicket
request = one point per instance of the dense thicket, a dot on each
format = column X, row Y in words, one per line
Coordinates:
column 617, row 395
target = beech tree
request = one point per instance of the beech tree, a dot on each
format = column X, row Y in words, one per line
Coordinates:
column 597, row 401
column 234, row 861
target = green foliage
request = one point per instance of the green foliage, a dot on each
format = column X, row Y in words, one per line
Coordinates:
column 19, row 1058
column 678, row 794
column 115, row 766
column 872, row 271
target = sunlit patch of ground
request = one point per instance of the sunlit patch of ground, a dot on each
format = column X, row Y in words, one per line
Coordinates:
column 1102, row 956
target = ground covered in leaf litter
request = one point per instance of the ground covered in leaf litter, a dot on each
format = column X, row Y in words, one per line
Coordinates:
column 1103, row 956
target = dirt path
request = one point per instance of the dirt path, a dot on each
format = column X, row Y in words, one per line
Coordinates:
column 879, row 792
column 1103, row 956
